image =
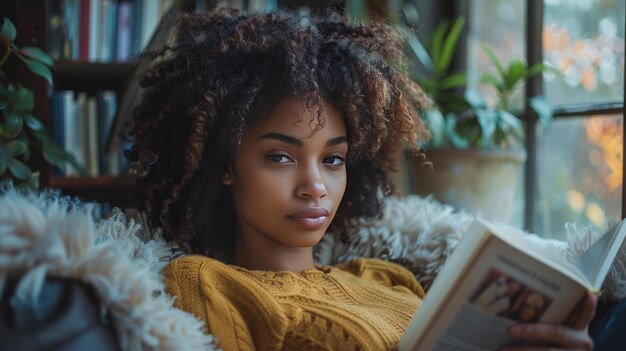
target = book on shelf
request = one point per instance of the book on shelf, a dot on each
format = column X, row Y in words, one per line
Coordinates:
column 494, row 279
column 81, row 125
column 101, row 30
column 158, row 39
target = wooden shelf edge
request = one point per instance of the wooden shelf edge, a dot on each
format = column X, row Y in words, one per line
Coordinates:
column 112, row 190
column 80, row 76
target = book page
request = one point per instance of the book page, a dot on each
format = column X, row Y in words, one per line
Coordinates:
column 503, row 287
column 596, row 261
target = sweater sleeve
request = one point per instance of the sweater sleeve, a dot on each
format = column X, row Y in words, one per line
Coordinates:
column 236, row 312
column 385, row 273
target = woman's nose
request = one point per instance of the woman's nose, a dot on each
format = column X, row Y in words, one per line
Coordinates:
column 311, row 184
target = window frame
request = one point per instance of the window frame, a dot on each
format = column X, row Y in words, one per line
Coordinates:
column 534, row 87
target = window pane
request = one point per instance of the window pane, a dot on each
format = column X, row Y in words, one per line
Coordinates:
column 580, row 174
column 585, row 40
column 499, row 25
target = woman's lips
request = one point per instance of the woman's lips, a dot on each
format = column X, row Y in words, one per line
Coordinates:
column 310, row 218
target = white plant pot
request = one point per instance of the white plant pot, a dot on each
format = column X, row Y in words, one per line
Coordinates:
column 482, row 182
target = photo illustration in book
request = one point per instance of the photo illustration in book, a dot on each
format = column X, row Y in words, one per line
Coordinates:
column 503, row 296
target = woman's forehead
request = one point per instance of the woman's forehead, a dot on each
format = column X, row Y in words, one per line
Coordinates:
column 293, row 117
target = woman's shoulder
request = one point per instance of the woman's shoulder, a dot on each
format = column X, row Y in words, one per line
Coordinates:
column 194, row 263
column 193, row 269
column 383, row 272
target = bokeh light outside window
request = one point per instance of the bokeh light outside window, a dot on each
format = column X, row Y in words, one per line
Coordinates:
column 585, row 40
column 580, row 181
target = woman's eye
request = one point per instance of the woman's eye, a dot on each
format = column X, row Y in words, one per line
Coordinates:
column 278, row 158
column 334, row 160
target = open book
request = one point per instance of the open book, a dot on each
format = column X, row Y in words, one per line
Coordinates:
column 494, row 279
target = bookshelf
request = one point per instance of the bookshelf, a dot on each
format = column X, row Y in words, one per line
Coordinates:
column 33, row 19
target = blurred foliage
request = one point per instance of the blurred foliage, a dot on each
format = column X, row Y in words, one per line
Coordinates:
column 21, row 133
column 461, row 117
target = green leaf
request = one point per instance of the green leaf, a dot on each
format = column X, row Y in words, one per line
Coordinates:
column 473, row 97
column 515, row 72
column 33, row 123
column 54, row 155
column 19, row 169
column 449, row 45
column 542, row 107
column 77, row 166
column 453, row 81
column 436, row 125
column 540, row 68
column 13, row 126
column 8, row 31
column 39, row 69
column 421, row 53
column 15, row 148
column 487, row 120
column 494, row 60
column 37, row 54
column 451, row 134
column 21, row 98
column 510, row 125
column 31, row 184
column 437, row 43
column 509, row 119
column 491, row 80
column 3, row 104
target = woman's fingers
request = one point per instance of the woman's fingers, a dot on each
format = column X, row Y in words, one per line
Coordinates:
column 587, row 311
column 564, row 337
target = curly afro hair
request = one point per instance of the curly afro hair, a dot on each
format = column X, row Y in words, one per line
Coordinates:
column 224, row 71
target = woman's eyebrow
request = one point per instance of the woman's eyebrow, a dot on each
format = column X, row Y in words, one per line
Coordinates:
column 282, row 137
column 337, row 141
column 297, row 142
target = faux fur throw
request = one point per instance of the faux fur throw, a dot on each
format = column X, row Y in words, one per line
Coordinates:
column 43, row 234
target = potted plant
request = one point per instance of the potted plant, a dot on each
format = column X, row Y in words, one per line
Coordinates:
column 475, row 156
column 21, row 133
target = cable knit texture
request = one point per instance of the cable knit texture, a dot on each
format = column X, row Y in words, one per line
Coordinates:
column 364, row 304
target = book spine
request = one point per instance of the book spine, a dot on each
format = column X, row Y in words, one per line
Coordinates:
column 150, row 19
column 72, row 20
column 56, row 32
column 58, row 106
column 106, row 114
column 72, row 129
column 94, row 30
column 110, row 31
column 137, row 25
column 91, row 138
column 84, row 29
column 124, row 30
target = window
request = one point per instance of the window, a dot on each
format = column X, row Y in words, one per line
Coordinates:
column 579, row 156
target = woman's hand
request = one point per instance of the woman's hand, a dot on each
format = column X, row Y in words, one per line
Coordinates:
column 558, row 337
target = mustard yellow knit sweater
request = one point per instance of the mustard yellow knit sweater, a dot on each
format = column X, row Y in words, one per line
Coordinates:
column 365, row 304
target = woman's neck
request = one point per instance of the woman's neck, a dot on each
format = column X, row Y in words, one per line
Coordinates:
column 259, row 252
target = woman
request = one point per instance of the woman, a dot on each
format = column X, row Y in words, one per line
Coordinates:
column 255, row 135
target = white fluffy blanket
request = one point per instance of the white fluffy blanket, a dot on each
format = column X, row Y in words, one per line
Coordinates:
column 43, row 234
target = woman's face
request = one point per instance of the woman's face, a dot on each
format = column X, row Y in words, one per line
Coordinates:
column 531, row 307
column 287, row 181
